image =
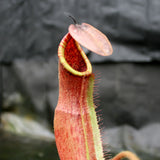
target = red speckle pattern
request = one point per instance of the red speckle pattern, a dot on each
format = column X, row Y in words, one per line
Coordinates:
column 74, row 57
column 72, row 121
column 68, row 126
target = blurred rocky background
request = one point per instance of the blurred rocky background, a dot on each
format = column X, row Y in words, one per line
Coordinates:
column 127, row 81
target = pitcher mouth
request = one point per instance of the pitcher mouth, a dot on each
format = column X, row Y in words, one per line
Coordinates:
column 73, row 58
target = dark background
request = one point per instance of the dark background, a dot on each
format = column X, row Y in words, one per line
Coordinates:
column 129, row 90
column 34, row 28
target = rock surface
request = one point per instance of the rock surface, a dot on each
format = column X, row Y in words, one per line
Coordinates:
column 128, row 92
column 25, row 127
column 18, row 147
column 144, row 142
column 129, row 95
